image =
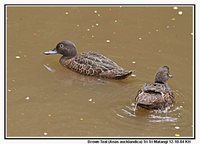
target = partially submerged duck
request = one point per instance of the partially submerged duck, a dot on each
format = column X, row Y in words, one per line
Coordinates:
column 157, row 95
column 88, row 63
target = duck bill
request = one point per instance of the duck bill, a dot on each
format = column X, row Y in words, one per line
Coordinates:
column 54, row 51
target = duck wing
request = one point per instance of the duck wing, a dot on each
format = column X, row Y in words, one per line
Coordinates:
column 95, row 64
column 99, row 59
column 147, row 98
column 155, row 88
column 109, row 68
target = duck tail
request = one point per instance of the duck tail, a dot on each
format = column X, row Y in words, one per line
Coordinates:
column 116, row 74
column 123, row 74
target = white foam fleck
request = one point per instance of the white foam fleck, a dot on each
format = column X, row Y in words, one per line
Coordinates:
column 108, row 41
column 17, row 57
column 177, row 127
column 173, row 19
column 45, row 133
column 177, row 135
column 180, row 12
column 175, row 8
column 133, row 75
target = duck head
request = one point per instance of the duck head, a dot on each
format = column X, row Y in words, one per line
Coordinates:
column 162, row 75
column 66, row 48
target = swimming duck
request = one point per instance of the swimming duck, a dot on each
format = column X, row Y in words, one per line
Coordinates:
column 88, row 63
column 157, row 95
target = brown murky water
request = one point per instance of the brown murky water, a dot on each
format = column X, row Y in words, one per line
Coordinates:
column 46, row 99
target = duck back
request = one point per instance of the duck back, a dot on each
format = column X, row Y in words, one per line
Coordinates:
column 154, row 96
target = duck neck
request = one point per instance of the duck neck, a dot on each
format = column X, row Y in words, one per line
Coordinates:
column 67, row 57
column 65, row 61
column 160, row 82
column 70, row 54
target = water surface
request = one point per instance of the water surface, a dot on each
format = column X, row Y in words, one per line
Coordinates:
column 46, row 99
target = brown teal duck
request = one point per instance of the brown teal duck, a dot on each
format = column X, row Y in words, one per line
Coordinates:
column 157, row 95
column 88, row 63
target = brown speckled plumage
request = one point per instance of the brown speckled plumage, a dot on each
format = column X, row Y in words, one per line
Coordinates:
column 157, row 95
column 88, row 63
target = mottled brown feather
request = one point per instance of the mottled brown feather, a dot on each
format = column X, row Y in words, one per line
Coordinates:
column 152, row 99
column 95, row 64
column 88, row 63
column 157, row 95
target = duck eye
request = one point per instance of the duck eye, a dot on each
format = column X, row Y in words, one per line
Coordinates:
column 61, row 45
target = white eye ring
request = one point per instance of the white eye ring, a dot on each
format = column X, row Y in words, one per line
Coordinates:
column 61, row 45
